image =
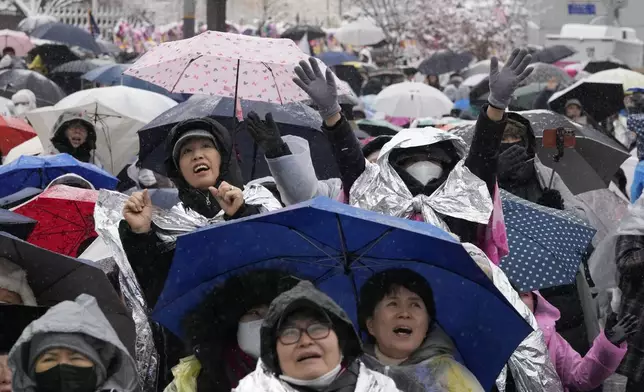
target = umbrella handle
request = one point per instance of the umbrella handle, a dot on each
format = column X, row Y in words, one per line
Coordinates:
column 552, row 177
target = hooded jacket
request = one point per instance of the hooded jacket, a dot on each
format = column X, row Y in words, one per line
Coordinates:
column 577, row 373
column 85, row 152
column 354, row 377
column 432, row 364
column 82, row 316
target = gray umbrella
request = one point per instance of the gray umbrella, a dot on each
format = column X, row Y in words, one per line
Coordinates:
column 542, row 73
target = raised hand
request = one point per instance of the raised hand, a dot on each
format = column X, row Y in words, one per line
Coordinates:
column 624, row 329
column 322, row 89
column 137, row 212
column 265, row 133
column 503, row 82
column 230, row 198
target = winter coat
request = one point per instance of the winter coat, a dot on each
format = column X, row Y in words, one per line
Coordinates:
column 432, row 364
column 541, row 102
column 60, row 144
column 629, row 252
column 354, row 377
column 83, row 316
column 635, row 123
column 577, row 373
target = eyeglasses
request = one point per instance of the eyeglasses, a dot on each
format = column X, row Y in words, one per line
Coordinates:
column 292, row 335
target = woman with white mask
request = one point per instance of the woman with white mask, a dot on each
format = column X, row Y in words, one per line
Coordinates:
column 224, row 330
column 24, row 101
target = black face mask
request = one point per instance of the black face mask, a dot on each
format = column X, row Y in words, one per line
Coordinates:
column 67, row 378
column 506, row 146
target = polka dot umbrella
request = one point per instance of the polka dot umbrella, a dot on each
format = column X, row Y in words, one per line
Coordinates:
column 546, row 245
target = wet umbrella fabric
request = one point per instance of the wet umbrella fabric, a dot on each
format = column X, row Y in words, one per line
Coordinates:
column 296, row 33
column 378, row 127
column 20, row 317
column 444, row 62
column 80, row 67
column 47, row 92
column 336, row 58
column 53, row 55
column 599, row 99
column 55, row 278
column 65, row 218
column 16, row 224
column 39, row 171
column 293, row 119
column 20, row 197
column 542, row 73
column 13, row 132
column 552, row 54
column 599, row 66
column 339, row 247
column 67, row 34
column 546, row 245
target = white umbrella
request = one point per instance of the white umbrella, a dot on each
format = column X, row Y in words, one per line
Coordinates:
column 482, row 67
column 360, row 33
column 474, row 80
column 413, row 100
column 31, row 147
column 629, row 79
column 118, row 113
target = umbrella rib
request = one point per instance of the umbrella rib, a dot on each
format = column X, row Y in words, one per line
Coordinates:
column 310, row 241
column 343, row 242
column 274, row 80
column 371, row 244
column 184, row 70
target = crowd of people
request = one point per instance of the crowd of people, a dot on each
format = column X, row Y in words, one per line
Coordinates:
column 274, row 329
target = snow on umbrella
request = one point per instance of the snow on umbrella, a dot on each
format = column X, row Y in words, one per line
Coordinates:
column 38, row 172
column 226, row 65
column 542, row 73
column 552, row 54
column 599, row 99
column 67, row 34
column 55, row 278
column 339, row 247
column 65, row 217
column 17, row 40
column 47, row 92
column 13, row 132
column 629, row 79
column 412, row 100
column 31, row 147
column 117, row 112
column 444, row 62
column 362, row 32
column 16, row 224
column 546, row 245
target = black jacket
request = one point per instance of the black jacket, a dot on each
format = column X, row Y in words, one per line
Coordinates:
column 541, row 102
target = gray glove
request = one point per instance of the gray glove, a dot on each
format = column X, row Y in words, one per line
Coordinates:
column 621, row 331
column 321, row 89
column 503, row 82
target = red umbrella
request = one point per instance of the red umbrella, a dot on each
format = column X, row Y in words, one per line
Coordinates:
column 13, row 131
column 65, row 218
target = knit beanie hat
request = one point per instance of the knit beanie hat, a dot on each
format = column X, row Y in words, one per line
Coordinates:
column 14, row 278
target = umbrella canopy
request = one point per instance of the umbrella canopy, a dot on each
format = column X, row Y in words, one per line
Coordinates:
column 118, row 113
column 413, row 100
column 362, row 32
column 542, row 73
column 226, row 65
column 444, row 62
column 47, row 92
column 31, row 147
column 524, row 97
column 55, row 278
column 21, row 316
column 30, row 23
column 475, row 79
column 629, row 79
column 13, row 132
column 339, row 247
column 17, row 40
column 16, row 224
column 16, row 199
column 108, row 47
column 599, row 99
column 296, row 33
column 80, row 67
column 53, row 55
column 38, row 172
column 293, row 119
column 599, row 66
column 552, row 54
column 546, row 245
column 378, row 127
column 67, row 34
column 65, row 217
column 482, row 67
column 336, row 58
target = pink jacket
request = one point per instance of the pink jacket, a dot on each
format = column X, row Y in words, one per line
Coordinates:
column 575, row 372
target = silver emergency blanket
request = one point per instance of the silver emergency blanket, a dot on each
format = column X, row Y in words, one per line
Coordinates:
column 463, row 195
column 530, row 363
column 179, row 220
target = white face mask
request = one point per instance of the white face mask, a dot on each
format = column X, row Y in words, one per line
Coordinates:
column 248, row 337
column 425, row 171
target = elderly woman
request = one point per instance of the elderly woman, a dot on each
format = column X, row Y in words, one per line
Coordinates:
column 397, row 310
column 72, row 348
column 308, row 343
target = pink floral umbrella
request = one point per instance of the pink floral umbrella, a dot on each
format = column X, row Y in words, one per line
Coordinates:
column 226, row 65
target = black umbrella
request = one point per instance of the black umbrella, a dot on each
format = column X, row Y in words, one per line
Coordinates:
column 296, row 33
column 67, row 34
column 16, row 199
column 53, row 55
column 16, row 224
column 542, row 73
column 293, row 119
column 552, row 54
column 444, row 62
column 68, row 75
column 598, row 66
column 18, row 317
column 599, row 99
column 55, row 278
column 47, row 92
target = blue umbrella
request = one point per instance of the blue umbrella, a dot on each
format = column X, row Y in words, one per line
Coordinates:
column 67, row 34
column 339, row 247
column 39, row 171
column 332, row 59
column 16, row 224
column 112, row 75
column 546, row 245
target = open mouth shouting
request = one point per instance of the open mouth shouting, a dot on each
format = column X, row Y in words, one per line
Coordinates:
column 200, row 168
column 308, row 356
column 403, row 331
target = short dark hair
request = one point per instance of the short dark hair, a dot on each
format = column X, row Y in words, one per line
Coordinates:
column 387, row 282
column 7, row 50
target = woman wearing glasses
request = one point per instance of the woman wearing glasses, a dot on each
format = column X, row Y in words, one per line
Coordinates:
column 308, row 343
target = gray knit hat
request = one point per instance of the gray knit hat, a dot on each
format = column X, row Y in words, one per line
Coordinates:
column 195, row 133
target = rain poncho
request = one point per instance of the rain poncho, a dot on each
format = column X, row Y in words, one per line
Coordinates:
column 354, row 377
column 82, row 316
column 84, row 153
column 23, row 101
column 576, row 372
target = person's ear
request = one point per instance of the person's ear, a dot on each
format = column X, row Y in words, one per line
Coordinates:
column 369, row 325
